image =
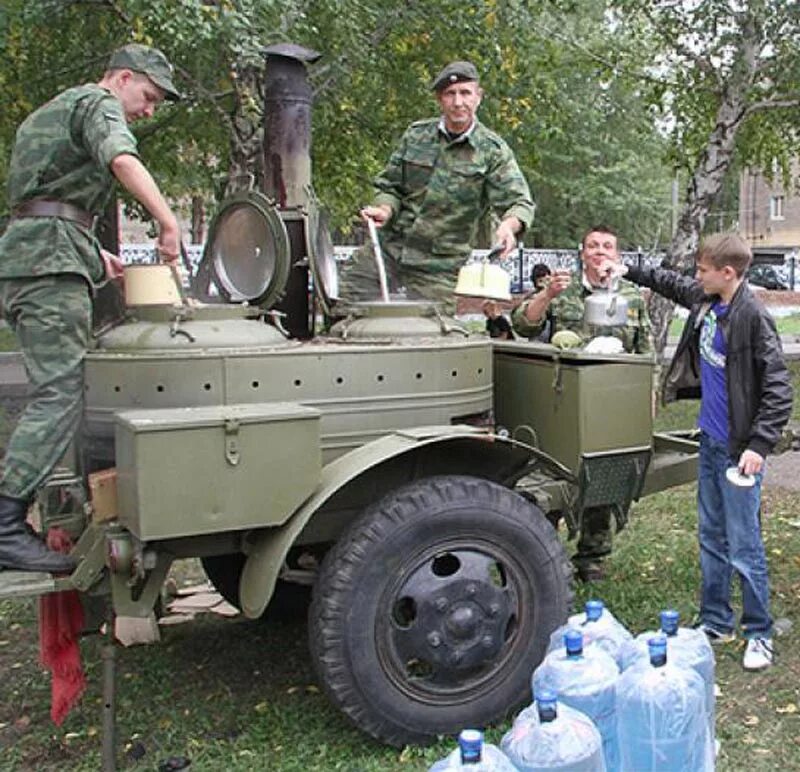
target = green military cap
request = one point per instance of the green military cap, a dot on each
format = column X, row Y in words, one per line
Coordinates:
column 150, row 62
column 455, row 72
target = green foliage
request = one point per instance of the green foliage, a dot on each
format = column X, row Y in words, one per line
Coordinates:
column 580, row 131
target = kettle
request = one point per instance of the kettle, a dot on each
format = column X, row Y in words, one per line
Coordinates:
column 605, row 307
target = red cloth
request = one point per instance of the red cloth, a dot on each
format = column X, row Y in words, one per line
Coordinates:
column 60, row 624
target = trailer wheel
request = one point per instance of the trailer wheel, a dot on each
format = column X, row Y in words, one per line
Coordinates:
column 289, row 602
column 431, row 612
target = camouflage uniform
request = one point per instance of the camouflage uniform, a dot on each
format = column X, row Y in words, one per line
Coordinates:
column 636, row 336
column 48, row 268
column 439, row 190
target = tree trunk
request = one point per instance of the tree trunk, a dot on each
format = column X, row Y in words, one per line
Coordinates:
column 246, row 169
column 198, row 224
column 709, row 174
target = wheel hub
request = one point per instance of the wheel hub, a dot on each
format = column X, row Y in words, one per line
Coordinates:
column 452, row 613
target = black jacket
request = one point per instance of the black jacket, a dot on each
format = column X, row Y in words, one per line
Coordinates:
column 759, row 386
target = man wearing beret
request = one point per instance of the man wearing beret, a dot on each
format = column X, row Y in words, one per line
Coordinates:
column 66, row 157
column 444, row 176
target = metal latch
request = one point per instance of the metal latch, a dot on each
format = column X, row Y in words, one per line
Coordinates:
column 232, row 441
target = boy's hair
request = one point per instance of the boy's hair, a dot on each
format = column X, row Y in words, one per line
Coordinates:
column 539, row 270
column 721, row 249
column 601, row 228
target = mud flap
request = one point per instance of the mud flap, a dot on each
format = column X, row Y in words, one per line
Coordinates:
column 613, row 480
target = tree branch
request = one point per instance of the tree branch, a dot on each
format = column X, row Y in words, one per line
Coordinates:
column 772, row 104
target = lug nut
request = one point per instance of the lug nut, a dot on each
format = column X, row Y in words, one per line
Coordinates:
column 434, row 639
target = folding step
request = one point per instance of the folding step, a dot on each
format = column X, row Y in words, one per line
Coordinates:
column 25, row 584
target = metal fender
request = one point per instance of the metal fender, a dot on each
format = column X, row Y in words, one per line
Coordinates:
column 267, row 549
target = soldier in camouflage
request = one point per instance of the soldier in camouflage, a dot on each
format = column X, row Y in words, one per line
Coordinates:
column 445, row 175
column 66, row 158
column 564, row 298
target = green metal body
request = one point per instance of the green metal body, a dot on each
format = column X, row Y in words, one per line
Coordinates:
column 571, row 404
column 227, row 437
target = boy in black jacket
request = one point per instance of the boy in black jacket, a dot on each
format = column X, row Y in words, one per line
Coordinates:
column 730, row 356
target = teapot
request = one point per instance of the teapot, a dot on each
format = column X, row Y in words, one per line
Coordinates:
column 605, row 307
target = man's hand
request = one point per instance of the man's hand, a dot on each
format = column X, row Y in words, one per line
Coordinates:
column 537, row 306
column 612, row 269
column 380, row 214
column 113, row 265
column 556, row 283
column 750, row 462
column 506, row 234
column 168, row 244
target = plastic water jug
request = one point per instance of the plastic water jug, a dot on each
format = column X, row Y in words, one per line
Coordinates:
column 584, row 679
column 686, row 648
column 599, row 626
column 475, row 755
column 549, row 736
column 661, row 721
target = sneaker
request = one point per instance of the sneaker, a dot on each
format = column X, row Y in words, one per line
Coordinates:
column 715, row 637
column 758, row 654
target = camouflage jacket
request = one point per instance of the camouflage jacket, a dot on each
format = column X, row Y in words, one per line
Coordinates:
column 440, row 189
column 63, row 151
column 567, row 308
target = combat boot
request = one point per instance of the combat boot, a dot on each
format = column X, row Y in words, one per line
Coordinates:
column 21, row 549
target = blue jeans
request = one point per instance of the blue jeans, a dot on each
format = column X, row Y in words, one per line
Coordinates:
column 729, row 531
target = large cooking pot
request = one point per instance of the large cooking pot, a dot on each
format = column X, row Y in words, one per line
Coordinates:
column 605, row 307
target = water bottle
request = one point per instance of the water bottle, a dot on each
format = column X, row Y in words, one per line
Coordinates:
column 661, row 721
column 548, row 736
column 599, row 626
column 686, row 648
column 475, row 755
column 584, row 679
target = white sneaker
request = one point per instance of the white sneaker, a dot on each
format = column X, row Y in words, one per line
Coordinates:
column 758, row 654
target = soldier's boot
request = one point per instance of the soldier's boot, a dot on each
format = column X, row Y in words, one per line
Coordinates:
column 21, row 549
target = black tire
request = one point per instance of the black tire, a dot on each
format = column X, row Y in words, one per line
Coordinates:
column 432, row 610
column 289, row 602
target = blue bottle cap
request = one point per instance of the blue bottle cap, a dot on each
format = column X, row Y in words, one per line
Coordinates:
column 594, row 610
column 470, row 741
column 573, row 641
column 546, row 705
column 657, row 647
column 669, row 621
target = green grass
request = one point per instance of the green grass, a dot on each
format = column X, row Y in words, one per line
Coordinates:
column 8, row 341
column 239, row 695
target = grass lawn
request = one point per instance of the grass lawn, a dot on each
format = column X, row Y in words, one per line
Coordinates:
column 240, row 695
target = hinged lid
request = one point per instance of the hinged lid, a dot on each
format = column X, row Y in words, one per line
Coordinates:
column 247, row 253
column 225, row 416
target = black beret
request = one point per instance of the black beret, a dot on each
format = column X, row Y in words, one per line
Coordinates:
column 455, row 72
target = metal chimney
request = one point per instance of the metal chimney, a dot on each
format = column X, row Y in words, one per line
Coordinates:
column 287, row 168
column 287, row 124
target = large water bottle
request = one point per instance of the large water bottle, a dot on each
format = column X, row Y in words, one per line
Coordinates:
column 475, row 755
column 548, row 736
column 584, row 679
column 599, row 626
column 661, row 721
column 686, row 647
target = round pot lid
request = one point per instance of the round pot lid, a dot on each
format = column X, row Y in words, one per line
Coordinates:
column 247, row 251
column 323, row 264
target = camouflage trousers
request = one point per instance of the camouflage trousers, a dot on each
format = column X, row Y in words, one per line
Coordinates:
column 595, row 539
column 52, row 319
column 434, row 280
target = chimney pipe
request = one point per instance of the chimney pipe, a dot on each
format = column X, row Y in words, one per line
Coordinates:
column 287, row 124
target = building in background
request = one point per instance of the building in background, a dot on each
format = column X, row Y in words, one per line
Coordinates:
column 769, row 218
